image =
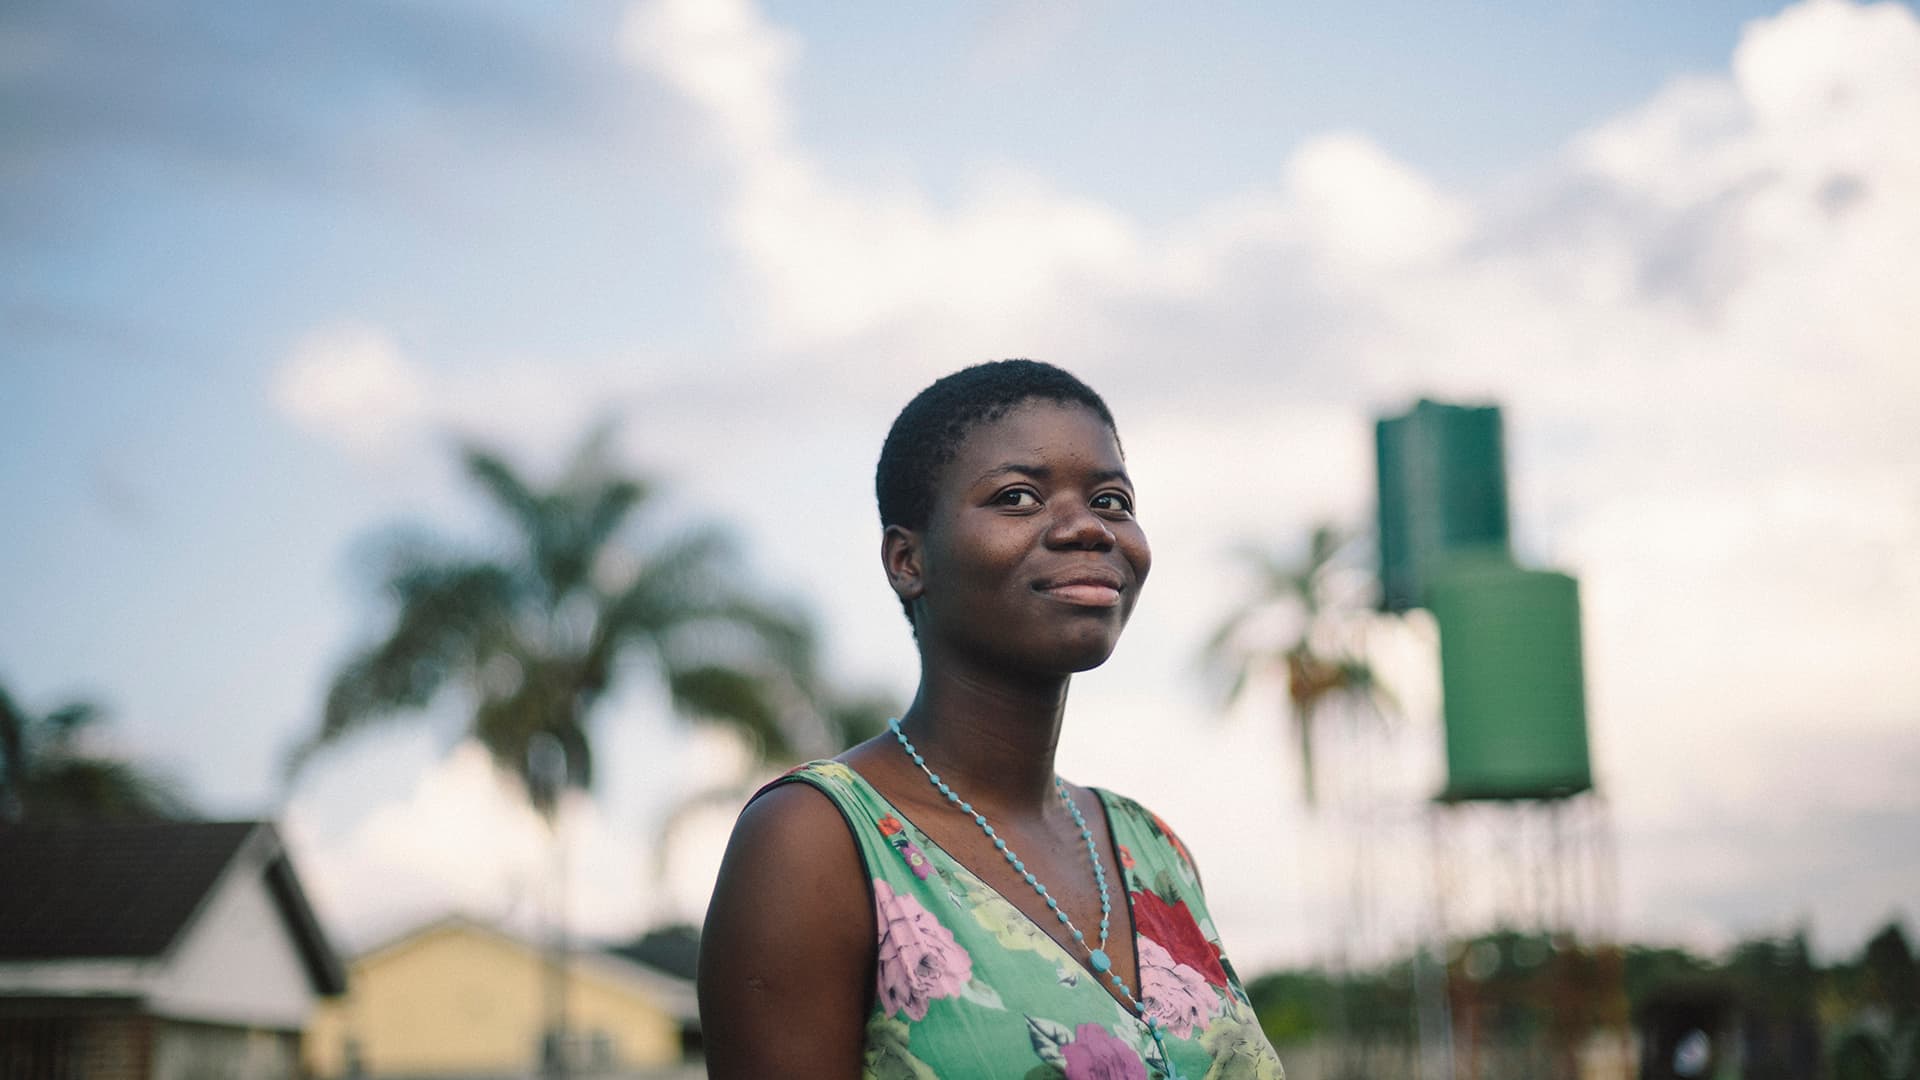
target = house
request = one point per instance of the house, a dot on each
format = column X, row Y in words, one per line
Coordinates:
column 461, row 998
column 156, row 951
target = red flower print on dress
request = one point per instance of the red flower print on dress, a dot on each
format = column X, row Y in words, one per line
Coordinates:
column 1174, row 994
column 919, row 959
column 889, row 825
column 1126, row 857
column 1174, row 928
column 1097, row 1054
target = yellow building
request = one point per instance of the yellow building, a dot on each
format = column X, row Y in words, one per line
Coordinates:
column 457, row 998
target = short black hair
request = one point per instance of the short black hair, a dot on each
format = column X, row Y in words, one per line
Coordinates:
column 927, row 434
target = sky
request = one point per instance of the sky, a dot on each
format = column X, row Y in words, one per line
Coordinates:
column 262, row 265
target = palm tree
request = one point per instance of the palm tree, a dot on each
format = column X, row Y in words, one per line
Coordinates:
column 48, row 772
column 538, row 636
column 1302, row 619
column 1314, row 648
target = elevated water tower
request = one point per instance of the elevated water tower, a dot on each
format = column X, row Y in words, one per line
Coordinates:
column 1520, row 838
column 1511, row 675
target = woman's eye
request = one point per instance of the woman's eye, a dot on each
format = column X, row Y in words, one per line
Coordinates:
column 1017, row 497
column 1113, row 500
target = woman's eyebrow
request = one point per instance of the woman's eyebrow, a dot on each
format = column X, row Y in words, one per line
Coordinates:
column 1045, row 472
column 1037, row 472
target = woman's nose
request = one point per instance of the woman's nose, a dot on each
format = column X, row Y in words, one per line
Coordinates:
column 1078, row 526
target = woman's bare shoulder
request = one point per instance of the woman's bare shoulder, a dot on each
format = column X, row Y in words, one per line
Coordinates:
column 786, row 959
column 796, row 828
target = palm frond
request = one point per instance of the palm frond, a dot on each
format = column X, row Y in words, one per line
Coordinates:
column 786, row 639
column 549, row 523
column 575, row 529
column 13, row 753
column 450, row 617
column 855, row 718
column 687, row 583
column 608, row 510
column 1220, row 644
column 732, row 697
column 102, row 789
column 68, row 720
column 547, row 700
column 686, row 568
column 498, row 479
column 46, row 773
column 593, row 460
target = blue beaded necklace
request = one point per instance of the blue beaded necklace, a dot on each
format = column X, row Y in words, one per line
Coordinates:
column 1097, row 957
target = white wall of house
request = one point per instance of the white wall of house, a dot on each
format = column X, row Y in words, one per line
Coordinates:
column 238, row 963
column 200, row 1051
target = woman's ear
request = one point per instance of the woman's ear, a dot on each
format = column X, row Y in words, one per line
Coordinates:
column 900, row 556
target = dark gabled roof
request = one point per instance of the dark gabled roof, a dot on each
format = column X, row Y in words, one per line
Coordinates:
column 107, row 890
column 127, row 891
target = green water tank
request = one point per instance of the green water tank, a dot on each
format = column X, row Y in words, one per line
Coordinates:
column 1442, row 495
column 1514, row 691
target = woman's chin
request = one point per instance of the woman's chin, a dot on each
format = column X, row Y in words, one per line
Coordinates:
column 1085, row 656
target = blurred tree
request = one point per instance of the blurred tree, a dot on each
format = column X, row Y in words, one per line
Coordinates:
column 1880, row 1039
column 1297, row 621
column 1893, row 976
column 673, row 948
column 1651, row 969
column 537, row 637
column 49, row 773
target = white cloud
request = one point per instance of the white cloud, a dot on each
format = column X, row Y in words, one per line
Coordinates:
column 1699, row 317
column 724, row 56
column 465, row 839
column 835, row 261
column 1368, row 214
column 353, row 384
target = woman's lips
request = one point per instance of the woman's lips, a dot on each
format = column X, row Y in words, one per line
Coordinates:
column 1084, row 593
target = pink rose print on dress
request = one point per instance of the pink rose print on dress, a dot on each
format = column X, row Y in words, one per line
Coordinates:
column 1097, row 1054
column 1174, row 994
column 919, row 960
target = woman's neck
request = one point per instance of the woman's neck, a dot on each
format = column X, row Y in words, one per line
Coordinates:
column 993, row 740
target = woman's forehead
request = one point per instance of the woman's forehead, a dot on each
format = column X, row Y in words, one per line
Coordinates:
column 1039, row 435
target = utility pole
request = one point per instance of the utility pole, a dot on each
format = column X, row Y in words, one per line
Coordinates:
column 547, row 776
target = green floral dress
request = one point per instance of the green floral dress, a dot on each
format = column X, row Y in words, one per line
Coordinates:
column 968, row 986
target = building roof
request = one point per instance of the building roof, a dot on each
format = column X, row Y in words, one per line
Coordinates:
column 129, row 891
column 672, row 993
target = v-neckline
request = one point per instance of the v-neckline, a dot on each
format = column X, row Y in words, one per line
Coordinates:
column 1113, row 843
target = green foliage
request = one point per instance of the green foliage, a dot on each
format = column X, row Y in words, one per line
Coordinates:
column 1296, row 1006
column 536, row 636
column 49, row 772
column 1892, row 976
column 1525, row 989
column 673, row 948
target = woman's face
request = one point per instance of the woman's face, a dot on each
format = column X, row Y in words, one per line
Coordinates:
column 1032, row 558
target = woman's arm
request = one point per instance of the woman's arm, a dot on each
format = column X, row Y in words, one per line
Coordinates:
column 787, row 956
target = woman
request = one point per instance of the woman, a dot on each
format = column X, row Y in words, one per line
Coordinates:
column 935, row 902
